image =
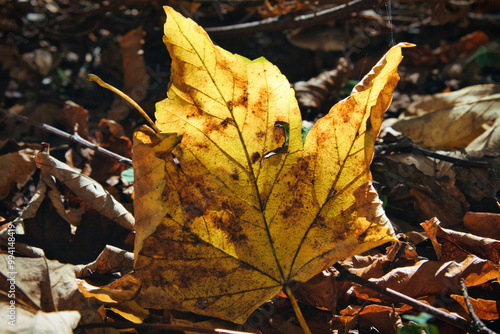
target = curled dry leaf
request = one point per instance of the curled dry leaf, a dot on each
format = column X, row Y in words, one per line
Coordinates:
column 87, row 189
column 112, row 259
column 432, row 278
column 242, row 206
column 450, row 243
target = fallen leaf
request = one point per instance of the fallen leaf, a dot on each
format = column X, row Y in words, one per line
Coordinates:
column 485, row 309
column 16, row 168
column 383, row 318
column 480, row 187
column 46, row 295
column 432, row 278
column 110, row 136
column 112, row 259
column 488, row 141
column 241, row 206
column 128, row 309
column 63, row 322
column 452, row 243
column 76, row 118
column 484, row 224
column 87, row 189
column 135, row 76
column 450, row 121
column 430, row 197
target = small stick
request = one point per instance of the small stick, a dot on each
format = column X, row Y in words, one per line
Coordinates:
column 74, row 138
column 478, row 325
column 95, row 78
column 284, row 22
column 449, row 318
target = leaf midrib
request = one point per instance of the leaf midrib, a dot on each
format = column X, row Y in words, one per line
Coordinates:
column 252, row 176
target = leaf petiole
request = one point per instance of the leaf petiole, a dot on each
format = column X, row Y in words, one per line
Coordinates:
column 95, row 78
column 296, row 308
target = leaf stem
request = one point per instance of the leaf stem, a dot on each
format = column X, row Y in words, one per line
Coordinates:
column 95, row 78
column 296, row 308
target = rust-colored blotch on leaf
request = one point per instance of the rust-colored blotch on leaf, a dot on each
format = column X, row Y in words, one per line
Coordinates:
column 232, row 212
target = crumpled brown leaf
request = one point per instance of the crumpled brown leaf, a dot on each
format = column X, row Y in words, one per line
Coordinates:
column 449, row 243
column 432, row 278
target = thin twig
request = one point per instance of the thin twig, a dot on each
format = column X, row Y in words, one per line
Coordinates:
column 447, row 317
column 74, row 138
column 453, row 160
column 477, row 325
column 125, row 325
column 286, row 22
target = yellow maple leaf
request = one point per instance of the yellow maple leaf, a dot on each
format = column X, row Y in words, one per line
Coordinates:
column 242, row 206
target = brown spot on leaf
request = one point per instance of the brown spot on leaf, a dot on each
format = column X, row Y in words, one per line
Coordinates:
column 260, row 134
column 226, row 122
column 235, row 176
column 230, row 106
column 255, row 157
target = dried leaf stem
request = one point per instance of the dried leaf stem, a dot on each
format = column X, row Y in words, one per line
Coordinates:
column 95, row 78
column 74, row 138
column 296, row 308
column 447, row 317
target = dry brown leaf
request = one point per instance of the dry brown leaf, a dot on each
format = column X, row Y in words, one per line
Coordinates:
column 384, row 318
column 430, row 197
column 46, row 286
column 479, row 186
column 112, row 259
column 16, row 168
column 450, row 121
column 76, row 117
column 135, row 76
column 484, row 224
column 485, row 309
column 453, row 243
column 62, row 322
column 87, row 189
column 110, row 136
column 432, row 278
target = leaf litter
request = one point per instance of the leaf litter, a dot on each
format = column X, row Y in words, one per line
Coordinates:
column 466, row 256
